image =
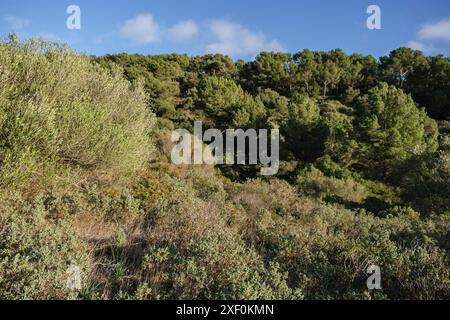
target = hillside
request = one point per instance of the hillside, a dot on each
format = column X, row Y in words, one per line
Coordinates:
column 86, row 178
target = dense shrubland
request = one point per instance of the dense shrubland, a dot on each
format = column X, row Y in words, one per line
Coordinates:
column 60, row 114
column 86, row 178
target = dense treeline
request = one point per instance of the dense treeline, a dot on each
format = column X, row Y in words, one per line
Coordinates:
column 323, row 75
column 350, row 117
column 86, row 178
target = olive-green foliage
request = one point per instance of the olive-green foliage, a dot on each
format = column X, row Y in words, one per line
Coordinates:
column 59, row 111
column 312, row 182
column 326, row 249
column 43, row 236
column 36, row 251
column 188, row 234
column 184, row 248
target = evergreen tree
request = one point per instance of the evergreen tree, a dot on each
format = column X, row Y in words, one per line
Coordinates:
column 391, row 129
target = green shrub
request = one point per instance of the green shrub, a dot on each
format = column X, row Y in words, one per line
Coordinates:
column 326, row 254
column 36, row 252
column 58, row 111
column 213, row 266
column 313, row 182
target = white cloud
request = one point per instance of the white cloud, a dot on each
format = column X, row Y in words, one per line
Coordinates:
column 141, row 29
column 228, row 38
column 436, row 31
column 16, row 23
column 234, row 39
column 417, row 45
column 183, row 31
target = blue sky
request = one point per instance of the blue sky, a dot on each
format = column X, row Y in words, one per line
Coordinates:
column 240, row 28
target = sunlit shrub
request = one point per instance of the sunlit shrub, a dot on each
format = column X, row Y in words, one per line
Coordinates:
column 59, row 111
column 313, row 182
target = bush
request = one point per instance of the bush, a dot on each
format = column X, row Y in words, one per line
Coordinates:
column 185, row 249
column 326, row 254
column 313, row 182
column 186, row 234
column 213, row 266
column 36, row 252
column 58, row 111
